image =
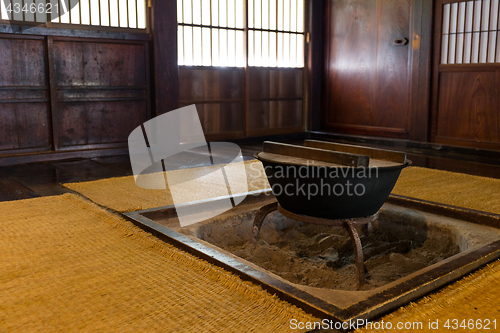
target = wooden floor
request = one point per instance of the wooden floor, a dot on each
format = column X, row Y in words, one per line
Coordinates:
column 43, row 179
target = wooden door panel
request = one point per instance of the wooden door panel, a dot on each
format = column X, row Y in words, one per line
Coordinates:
column 72, row 124
column 259, row 115
column 69, row 63
column 352, row 62
column 289, row 114
column 275, row 83
column 109, row 122
column 218, row 95
column 286, row 83
column 275, row 114
column 367, row 86
column 60, row 93
column 260, row 83
column 221, row 118
column 232, row 117
column 32, row 125
column 392, row 65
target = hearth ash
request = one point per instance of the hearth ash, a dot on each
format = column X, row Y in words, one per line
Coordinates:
column 323, row 256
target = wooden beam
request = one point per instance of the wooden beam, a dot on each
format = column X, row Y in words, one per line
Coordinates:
column 421, row 55
column 166, row 69
column 59, row 155
column 373, row 153
column 336, row 157
column 246, row 87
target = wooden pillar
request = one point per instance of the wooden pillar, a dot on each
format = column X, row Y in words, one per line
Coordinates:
column 314, row 25
column 421, row 44
column 165, row 67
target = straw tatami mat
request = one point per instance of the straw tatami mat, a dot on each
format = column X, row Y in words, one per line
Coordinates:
column 475, row 297
column 68, row 265
column 456, row 189
column 121, row 194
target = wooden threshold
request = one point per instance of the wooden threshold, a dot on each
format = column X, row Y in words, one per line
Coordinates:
column 60, row 155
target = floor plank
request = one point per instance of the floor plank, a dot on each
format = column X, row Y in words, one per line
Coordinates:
column 121, row 162
column 11, row 189
column 43, row 178
column 39, row 174
column 454, row 165
column 88, row 170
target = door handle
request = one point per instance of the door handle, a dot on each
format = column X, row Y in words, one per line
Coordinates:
column 400, row 41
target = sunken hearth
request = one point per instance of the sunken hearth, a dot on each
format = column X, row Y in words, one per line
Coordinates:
column 407, row 253
column 399, row 244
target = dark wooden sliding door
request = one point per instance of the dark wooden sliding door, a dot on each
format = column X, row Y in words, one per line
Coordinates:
column 374, row 63
column 367, row 86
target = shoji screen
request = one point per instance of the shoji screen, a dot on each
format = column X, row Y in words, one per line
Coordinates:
column 105, row 13
column 276, row 33
column 470, row 32
column 213, row 33
column 241, row 64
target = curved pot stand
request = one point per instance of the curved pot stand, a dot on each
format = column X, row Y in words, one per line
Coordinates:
column 348, row 224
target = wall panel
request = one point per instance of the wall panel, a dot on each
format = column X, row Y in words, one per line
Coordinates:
column 469, row 106
column 101, row 91
column 24, row 95
column 94, row 123
column 22, row 62
column 60, row 93
column 86, row 86
column 111, row 64
column 275, row 96
column 211, row 83
column 218, row 94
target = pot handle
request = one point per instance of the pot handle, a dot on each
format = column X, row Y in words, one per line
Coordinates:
column 407, row 164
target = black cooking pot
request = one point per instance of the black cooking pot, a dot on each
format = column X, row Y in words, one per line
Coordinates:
column 331, row 192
